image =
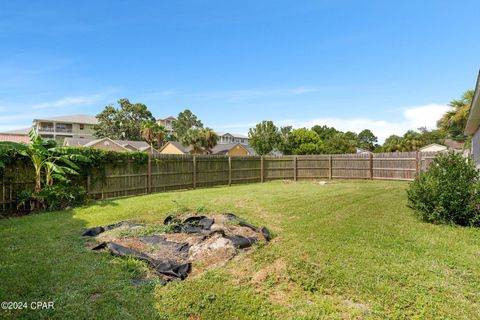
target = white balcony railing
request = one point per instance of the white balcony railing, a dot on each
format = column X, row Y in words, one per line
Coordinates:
column 46, row 129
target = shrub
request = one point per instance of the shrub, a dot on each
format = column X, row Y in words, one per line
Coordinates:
column 58, row 196
column 448, row 192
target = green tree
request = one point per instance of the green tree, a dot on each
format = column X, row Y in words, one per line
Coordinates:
column 412, row 141
column 186, row 120
column 123, row 123
column 340, row 143
column 154, row 133
column 393, row 143
column 209, row 139
column 366, row 140
column 325, row 132
column 264, row 138
column 284, row 144
column 50, row 162
column 305, row 141
column 431, row 136
column 193, row 137
column 200, row 139
column 453, row 121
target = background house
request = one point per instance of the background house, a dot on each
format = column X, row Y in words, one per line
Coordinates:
column 473, row 123
column 109, row 144
column 70, row 126
column 362, row 151
column 434, row 147
column 175, row 147
column 454, row 144
column 229, row 138
column 233, row 149
column 19, row 136
column 167, row 123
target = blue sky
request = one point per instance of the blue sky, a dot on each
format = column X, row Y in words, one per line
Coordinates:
column 386, row 65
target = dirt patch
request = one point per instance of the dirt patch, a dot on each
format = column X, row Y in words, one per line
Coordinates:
column 275, row 269
column 357, row 305
column 211, row 253
column 182, row 245
column 132, row 243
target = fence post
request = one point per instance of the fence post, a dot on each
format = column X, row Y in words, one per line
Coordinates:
column 229, row 171
column 3, row 193
column 295, row 168
column 88, row 185
column 261, row 168
column 330, row 167
column 417, row 163
column 194, row 172
column 371, row 166
column 149, row 174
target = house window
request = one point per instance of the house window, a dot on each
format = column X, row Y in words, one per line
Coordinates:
column 82, row 126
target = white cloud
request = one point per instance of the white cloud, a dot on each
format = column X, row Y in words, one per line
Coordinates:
column 425, row 116
column 70, row 101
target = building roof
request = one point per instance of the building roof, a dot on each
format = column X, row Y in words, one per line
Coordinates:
column 236, row 135
column 179, row 146
column 139, row 145
column 473, row 121
column 167, row 118
column 363, row 151
column 19, row 138
column 74, row 118
column 23, row 131
column 454, row 144
column 136, row 144
column 224, row 148
column 433, row 145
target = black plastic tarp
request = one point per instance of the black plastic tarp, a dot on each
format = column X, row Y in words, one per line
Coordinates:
column 163, row 266
column 95, row 231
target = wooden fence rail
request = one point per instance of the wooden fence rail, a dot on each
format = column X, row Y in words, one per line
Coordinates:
column 173, row 172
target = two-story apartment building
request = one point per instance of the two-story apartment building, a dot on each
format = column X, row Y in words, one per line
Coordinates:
column 72, row 126
column 167, row 123
column 229, row 138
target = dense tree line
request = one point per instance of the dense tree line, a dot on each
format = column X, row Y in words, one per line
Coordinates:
column 266, row 138
column 133, row 121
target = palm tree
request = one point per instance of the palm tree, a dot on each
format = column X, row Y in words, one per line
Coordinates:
column 160, row 134
column 148, row 131
column 453, row 121
column 209, row 139
column 195, row 139
column 411, row 141
column 392, row 144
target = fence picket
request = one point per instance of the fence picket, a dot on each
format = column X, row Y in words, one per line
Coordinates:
column 173, row 172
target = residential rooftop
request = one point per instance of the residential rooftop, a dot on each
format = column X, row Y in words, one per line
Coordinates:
column 74, row 118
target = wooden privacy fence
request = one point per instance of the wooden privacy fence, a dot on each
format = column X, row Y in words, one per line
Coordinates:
column 174, row 172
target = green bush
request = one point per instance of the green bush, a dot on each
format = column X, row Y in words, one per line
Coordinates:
column 448, row 192
column 58, row 196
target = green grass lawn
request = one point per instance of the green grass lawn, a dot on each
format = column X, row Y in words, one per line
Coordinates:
column 342, row 251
